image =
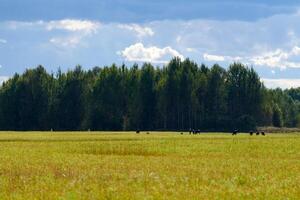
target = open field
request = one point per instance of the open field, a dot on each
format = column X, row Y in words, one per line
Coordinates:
column 156, row 166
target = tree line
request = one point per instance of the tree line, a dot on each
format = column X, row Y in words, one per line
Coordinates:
column 182, row 95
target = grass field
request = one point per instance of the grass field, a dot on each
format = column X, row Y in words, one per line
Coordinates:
column 155, row 166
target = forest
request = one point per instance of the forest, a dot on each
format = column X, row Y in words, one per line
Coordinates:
column 181, row 95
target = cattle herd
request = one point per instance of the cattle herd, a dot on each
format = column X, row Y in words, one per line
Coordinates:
column 197, row 131
column 257, row 133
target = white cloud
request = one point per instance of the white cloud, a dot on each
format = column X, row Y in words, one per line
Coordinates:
column 74, row 25
column 79, row 28
column 221, row 58
column 281, row 83
column 138, row 52
column 3, row 41
column 275, row 59
column 71, row 41
column 216, row 58
column 271, row 59
column 278, row 58
column 295, row 51
column 191, row 49
column 268, row 42
column 141, row 31
column 14, row 25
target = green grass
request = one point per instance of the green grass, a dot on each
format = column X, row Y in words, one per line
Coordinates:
column 157, row 166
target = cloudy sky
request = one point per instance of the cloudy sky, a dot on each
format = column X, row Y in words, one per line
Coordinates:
column 264, row 34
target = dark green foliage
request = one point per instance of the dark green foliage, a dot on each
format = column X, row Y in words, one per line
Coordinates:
column 246, row 123
column 108, row 100
column 146, row 106
column 277, row 116
column 179, row 96
column 70, row 104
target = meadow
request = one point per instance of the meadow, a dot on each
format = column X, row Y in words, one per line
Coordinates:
column 125, row 165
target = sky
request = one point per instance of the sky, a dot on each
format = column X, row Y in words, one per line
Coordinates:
column 263, row 34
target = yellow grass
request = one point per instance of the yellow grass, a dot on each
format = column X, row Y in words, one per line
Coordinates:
column 157, row 166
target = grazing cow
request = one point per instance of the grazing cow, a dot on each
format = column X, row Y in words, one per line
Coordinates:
column 181, row 133
column 257, row 133
column 195, row 132
column 263, row 133
column 137, row 131
column 235, row 132
column 251, row 133
column 148, row 133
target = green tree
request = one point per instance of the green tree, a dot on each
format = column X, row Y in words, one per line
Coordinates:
column 146, row 107
column 70, row 104
column 277, row 116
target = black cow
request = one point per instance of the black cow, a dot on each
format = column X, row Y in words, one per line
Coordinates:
column 251, row 133
column 137, row 131
column 263, row 133
column 235, row 132
column 257, row 133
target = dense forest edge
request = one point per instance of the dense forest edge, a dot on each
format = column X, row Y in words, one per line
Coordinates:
column 181, row 95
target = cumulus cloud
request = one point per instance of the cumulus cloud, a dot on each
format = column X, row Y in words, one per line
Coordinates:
column 71, row 41
column 272, row 59
column 79, row 29
column 221, row 58
column 73, row 25
column 138, row 52
column 191, row 49
column 281, row 83
column 141, row 31
column 275, row 59
column 278, row 58
column 216, row 58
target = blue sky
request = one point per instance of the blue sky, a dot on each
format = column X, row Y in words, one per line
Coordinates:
column 263, row 34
